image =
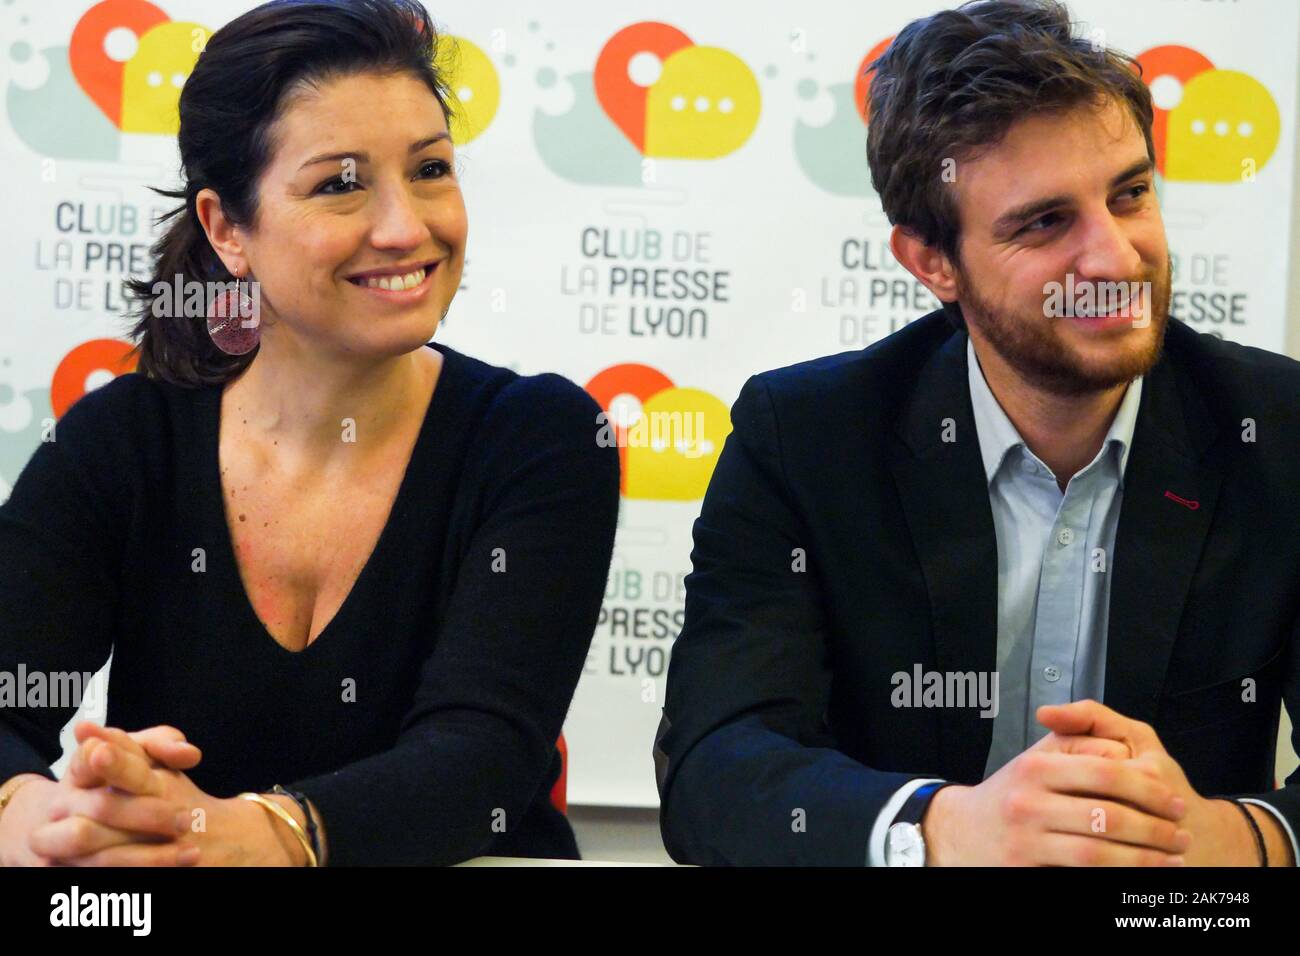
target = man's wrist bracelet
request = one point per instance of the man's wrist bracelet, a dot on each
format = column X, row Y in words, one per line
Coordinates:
column 1254, row 829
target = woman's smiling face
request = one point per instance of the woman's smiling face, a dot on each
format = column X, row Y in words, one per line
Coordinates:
column 360, row 180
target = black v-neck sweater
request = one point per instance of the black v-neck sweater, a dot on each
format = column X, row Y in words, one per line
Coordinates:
column 422, row 721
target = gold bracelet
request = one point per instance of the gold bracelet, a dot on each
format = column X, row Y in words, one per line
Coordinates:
column 294, row 826
column 4, row 800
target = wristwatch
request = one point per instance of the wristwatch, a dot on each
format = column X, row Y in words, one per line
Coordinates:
column 904, row 842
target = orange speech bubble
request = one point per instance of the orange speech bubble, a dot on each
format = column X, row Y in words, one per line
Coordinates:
column 99, row 75
column 624, row 100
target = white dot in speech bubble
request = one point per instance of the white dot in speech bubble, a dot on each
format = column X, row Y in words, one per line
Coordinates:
column 1166, row 92
column 624, row 410
column 99, row 377
column 645, row 68
column 120, row 44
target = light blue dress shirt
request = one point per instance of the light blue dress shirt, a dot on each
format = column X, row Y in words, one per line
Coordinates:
column 1054, row 557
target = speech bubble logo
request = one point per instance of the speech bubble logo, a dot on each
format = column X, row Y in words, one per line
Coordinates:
column 151, row 86
column 475, row 86
column 131, row 61
column 673, row 99
column 1226, row 121
column 704, row 106
column 669, row 438
column 682, row 436
column 1167, row 70
column 1208, row 123
column 628, row 65
column 104, row 39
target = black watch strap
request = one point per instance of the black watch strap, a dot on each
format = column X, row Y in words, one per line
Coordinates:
column 914, row 807
column 312, row 835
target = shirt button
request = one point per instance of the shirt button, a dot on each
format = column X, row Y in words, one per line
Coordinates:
column 1065, row 536
column 1052, row 673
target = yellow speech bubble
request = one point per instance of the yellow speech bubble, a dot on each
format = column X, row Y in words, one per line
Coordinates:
column 705, row 104
column 153, row 77
column 674, row 444
column 475, row 86
column 1226, row 124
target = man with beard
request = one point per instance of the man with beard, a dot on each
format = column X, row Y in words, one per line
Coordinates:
column 1047, row 488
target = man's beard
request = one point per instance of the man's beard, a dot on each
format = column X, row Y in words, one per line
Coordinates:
column 1032, row 348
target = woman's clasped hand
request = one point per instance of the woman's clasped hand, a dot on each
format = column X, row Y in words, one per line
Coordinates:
column 125, row 800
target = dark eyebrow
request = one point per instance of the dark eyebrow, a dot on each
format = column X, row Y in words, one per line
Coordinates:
column 365, row 157
column 1031, row 210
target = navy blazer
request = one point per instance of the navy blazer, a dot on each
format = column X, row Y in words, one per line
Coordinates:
column 842, row 540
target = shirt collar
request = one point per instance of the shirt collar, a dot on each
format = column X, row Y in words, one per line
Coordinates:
column 997, row 436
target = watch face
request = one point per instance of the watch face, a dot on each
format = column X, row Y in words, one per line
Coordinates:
column 904, row 845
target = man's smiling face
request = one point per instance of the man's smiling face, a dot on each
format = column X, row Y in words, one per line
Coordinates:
column 1065, row 197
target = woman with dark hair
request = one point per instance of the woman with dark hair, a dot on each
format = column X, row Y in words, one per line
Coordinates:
column 359, row 570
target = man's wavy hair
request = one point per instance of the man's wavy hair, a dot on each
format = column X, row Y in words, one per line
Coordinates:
column 954, row 83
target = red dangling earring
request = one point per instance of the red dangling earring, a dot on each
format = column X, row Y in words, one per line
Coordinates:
column 234, row 322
